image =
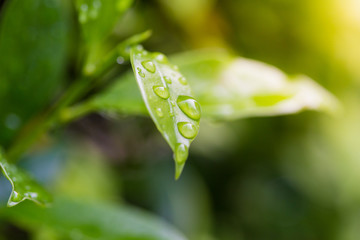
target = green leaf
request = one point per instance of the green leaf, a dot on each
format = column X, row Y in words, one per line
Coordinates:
column 169, row 100
column 119, row 52
column 122, row 97
column 94, row 221
column 97, row 19
column 23, row 185
column 33, row 43
column 231, row 88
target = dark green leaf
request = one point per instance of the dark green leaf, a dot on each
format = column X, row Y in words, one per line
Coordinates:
column 94, row 221
column 23, row 186
column 169, row 100
column 33, row 49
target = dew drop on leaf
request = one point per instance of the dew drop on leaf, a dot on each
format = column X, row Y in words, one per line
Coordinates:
column 187, row 129
column 182, row 80
column 120, row 60
column 140, row 72
column 160, row 58
column 189, row 106
column 181, row 153
column 149, row 66
column 161, row 91
column 167, row 79
column 159, row 112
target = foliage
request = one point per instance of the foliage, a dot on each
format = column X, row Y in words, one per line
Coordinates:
column 57, row 69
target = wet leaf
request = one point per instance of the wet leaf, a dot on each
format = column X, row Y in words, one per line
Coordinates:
column 169, row 101
column 23, row 185
column 96, row 220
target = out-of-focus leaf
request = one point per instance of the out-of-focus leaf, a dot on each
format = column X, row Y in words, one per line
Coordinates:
column 33, row 49
column 168, row 98
column 94, row 221
column 23, row 186
column 97, row 19
column 118, row 54
column 122, row 97
column 231, row 88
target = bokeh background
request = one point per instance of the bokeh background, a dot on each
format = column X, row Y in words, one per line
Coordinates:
column 286, row 177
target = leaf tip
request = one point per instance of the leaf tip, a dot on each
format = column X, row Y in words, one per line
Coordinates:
column 179, row 167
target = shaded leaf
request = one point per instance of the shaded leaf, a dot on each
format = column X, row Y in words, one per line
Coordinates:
column 23, row 185
column 94, row 221
column 168, row 98
column 33, row 41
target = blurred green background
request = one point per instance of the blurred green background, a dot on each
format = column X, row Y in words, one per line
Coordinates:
column 287, row 177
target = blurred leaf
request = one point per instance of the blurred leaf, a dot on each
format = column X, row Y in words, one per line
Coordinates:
column 123, row 97
column 97, row 19
column 119, row 54
column 231, row 88
column 94, row 221
column 168, row 98
column 33, row 48
column 23, row 186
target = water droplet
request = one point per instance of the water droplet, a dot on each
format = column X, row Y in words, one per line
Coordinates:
column 190, row 107
column 161, row 91
column 187, row 129
column 167, row 79
column 149, row 66
column 16, row 197
column 159, row 112
column 141, row 74
column 182, row 80
column 83, row 15
column 12, row 121
column 139, row 48
column 181, row 153
column 84, row 7
column 120, row 60
column 160, row 57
